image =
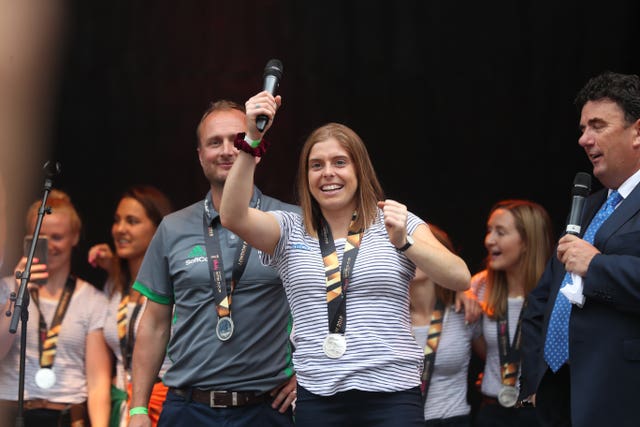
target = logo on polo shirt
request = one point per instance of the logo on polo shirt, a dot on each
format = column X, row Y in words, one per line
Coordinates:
column 196, row 254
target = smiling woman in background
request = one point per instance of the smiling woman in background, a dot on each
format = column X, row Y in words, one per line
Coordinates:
column 66, row 375
column 139, row 212
column 519, row 241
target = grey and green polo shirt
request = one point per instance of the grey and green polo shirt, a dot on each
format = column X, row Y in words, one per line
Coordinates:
column 175, row 271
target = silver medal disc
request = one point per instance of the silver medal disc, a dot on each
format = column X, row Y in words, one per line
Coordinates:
column 334, row 345
column 224, row 328
column 45, row 378
column 508, row 396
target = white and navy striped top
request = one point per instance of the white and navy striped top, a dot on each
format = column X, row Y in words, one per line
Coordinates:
column 381, row 355
column 447, row 395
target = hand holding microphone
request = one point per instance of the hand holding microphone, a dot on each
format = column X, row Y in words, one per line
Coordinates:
column 569, row 244
column 574, row 252
column 262, row 104
column 260, row 111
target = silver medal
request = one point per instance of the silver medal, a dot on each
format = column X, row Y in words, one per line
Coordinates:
column 45, row 378
column 508, row 396
column 224, row 328
column 334, row 345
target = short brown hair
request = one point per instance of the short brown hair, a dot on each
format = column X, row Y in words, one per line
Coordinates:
column 221, row 105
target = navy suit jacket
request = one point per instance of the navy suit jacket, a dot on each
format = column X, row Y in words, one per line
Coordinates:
column 604, row 335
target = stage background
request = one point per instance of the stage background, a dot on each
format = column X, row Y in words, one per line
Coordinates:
column 461, row 104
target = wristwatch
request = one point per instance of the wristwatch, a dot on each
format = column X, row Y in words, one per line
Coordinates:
column 407, row 245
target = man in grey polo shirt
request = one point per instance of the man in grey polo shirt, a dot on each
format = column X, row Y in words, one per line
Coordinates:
column 228, row 336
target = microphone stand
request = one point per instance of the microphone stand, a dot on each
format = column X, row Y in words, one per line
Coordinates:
column 21, row 300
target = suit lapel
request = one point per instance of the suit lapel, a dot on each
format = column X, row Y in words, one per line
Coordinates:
column 625, row 211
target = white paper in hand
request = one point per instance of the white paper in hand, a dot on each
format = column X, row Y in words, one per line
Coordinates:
column 573, row 291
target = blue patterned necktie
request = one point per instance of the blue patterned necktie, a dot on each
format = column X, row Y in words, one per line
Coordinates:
column 556, row 346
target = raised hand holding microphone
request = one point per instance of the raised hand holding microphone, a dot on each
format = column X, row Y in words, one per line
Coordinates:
column 260, row 110
column 262, row 104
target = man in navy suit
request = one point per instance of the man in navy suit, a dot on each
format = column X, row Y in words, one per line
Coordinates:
column 595, row 380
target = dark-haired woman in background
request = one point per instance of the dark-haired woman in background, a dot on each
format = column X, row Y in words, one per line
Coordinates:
column 139, row 212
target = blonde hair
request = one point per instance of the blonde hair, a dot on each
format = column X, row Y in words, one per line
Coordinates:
column 58, row 201
column 368, row 192
column 534, row 227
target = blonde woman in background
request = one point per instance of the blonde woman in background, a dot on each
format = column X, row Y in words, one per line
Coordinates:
column 519, row 242
column 66, row 383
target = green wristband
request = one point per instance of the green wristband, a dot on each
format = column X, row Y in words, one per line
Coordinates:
column 251, row 142
column 138, row 410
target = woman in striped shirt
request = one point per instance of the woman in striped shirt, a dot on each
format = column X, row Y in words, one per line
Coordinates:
column 346, row 264
column 443, row 331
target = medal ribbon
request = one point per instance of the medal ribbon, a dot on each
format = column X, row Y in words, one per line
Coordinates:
column 48, row 338
column 121, row 317
column 221, row 288
column 337, row 279
column 126, row 330
column 433, row 338
column 509, row 353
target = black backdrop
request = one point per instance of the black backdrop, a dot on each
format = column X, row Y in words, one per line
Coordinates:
column 460, row 103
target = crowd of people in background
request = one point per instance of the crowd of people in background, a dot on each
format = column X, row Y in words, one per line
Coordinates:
column 346, row 309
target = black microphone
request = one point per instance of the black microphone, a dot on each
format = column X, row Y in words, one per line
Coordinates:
column 581, row 189
column 272, row 75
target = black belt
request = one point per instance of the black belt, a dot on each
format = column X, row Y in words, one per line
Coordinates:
column 45, row 404
column 488, row 400
column 76, row 412
column 220, row 399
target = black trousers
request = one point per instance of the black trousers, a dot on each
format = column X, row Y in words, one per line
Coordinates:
column 553, row 398
column 75, row 415
column 499, row 416
column 39, row 418
column 460, row 421
column 355, row 408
